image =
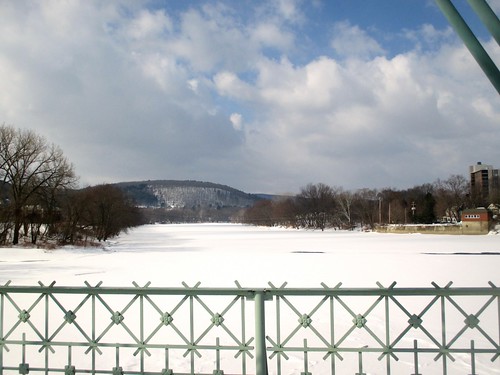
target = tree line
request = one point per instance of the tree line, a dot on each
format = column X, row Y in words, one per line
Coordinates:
column 320, row 206
column 40, row 201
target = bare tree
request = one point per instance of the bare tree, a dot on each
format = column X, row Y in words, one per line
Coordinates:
column 261, row 213
column 345, row 200
column 30, row 165
column 316, row 205
column 108, row 211
column 452, row 196
column 366, row 207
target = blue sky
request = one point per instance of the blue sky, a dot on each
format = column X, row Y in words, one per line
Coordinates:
column 264, row 96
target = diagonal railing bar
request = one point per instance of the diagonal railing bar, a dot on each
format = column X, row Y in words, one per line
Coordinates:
column 191, row 348
column 24, row 316
column 305, row 321
column 415, row 320
column 332, row 349
column 471, row 321
column 444, row 351
column 117, row 318
column 388, row 351
column 365, row 325
column 69, row 317
column 166, row 319
column 498, row 314
column 217, row 321
column 360, row 321
column 441, row 347
column 138, row 340
column 278, row 344
column 246, row 351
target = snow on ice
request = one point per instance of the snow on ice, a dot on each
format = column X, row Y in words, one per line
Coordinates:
column 218, row 254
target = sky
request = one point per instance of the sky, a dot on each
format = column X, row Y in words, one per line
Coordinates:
column 263, row 96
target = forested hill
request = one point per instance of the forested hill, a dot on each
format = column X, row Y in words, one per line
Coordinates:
column 185, row 194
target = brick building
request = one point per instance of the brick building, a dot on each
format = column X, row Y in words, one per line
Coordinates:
column 476, row 221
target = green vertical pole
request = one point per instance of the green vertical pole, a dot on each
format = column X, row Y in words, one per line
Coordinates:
column 243, row 336
column 332, row 333
column 415, row 357
column 141, row 333
column 472, row 358
column 487, row 16
column 387, row 333
column 46, row 334
column 471, row 42
column 93, row 333
column 278, row 332
column 443, row 333
column 1, row 331
column 260, row 334
column 191, row 331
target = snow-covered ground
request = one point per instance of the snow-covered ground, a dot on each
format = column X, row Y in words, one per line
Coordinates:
column 218, row 254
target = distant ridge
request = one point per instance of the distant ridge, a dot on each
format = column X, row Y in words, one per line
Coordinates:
column 185, row 194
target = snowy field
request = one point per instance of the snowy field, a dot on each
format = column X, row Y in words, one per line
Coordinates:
column 218, row 254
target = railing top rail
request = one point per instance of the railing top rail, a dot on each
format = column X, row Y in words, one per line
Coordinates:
column 435, row 290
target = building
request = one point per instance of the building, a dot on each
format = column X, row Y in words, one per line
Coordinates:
column 476, row 221
column 484, row 180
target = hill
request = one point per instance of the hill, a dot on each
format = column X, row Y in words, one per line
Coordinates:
column 187, row 201
column 176, row 194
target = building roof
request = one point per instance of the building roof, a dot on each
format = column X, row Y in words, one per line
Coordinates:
column 478, row 210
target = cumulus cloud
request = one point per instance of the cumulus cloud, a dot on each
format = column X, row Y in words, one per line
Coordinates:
column 133, row 92
column 149, row 24
column 351, row 41
column 290, row 10
column 237, row 120
column 271, row 35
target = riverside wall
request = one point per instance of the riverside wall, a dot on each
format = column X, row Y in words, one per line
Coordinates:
column 469, row 228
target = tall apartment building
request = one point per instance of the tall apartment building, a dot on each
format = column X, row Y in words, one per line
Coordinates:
column 484, row 179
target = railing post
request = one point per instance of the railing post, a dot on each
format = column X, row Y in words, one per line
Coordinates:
column 260, row 334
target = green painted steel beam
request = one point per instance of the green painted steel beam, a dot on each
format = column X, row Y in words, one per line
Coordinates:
column 488, row 17
column 471, row 42
column 260, row 335
column 250, row 293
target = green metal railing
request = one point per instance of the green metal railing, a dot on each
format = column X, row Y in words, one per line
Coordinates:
column 491, row 22
column 193, row 330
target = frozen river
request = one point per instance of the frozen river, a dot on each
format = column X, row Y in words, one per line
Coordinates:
column 218, row 254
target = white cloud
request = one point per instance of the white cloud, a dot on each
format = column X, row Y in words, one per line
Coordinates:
column 150, row 24
column 134, row 93
column 208, row 44
column 271, row 35
column 229, row 84
column 351, row 41
column 289, row 10
column 428, row 34
column 237, row 121
column 346, row 120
